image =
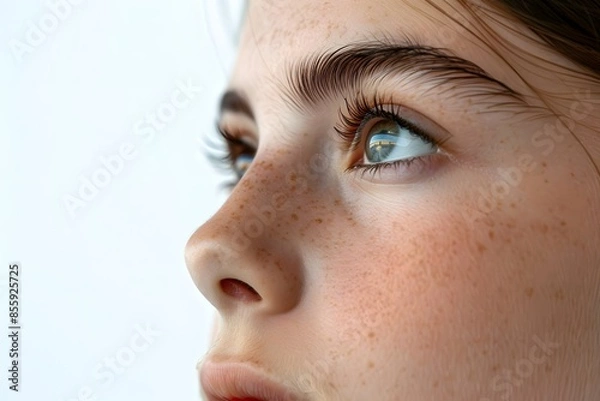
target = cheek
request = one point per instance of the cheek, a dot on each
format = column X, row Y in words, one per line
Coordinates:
column 424, row 291
column 408, row 300
column 404, row 283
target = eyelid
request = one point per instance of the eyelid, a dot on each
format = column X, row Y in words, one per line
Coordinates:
column 240, row 127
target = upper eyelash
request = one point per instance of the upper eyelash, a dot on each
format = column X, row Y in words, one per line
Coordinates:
column 220, row 155
column 219, row 149
column 362, row 109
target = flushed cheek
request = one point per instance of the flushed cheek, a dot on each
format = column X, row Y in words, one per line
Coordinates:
column 427, row 298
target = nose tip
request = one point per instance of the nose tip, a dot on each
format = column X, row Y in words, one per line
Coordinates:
column 266, row 277
column 246, row 256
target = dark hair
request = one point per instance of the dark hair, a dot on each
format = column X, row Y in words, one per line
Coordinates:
column 567, row 26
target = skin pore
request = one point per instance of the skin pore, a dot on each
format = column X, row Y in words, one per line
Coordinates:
column 470, row 272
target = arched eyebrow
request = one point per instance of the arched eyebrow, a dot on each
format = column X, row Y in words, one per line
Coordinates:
column 327, row 75
column 232, row 101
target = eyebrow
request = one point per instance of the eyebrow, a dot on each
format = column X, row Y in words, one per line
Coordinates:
column 232, row 101
column 330, row 74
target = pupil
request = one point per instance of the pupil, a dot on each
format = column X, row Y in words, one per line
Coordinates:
column 381, row 143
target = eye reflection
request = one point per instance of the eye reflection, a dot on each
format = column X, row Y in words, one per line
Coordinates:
column 389, row 141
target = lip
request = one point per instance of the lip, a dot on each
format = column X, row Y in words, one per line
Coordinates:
column 239, row 381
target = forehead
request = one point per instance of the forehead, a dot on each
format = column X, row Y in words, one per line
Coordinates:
column 278, row 32
column 287, row 22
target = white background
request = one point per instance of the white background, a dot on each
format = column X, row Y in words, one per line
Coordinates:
column 91, row 278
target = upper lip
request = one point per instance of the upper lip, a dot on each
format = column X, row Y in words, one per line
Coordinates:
column 228, row 381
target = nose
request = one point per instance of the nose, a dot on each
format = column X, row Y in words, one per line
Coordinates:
column 244, row 256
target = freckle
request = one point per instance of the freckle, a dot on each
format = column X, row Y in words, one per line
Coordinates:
column 241, row 206
column 371, row 334
column 529, row 292
column 337, row 202
column 371, row 365
column 559, row 295
column 481, row 248
column 491, row 234
column 319, row 221
column 544, row 164
column 295, row 216
column 513, row 205
column 495, row 368
column 563, row 223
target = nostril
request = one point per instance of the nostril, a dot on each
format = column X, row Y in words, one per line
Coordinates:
column 239, row 290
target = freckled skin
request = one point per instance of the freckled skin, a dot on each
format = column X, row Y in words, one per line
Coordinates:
column 407, row 292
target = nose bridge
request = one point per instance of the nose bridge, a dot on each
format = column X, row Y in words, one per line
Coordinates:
column 260, row 202
column 250, row 240
column 261, row 206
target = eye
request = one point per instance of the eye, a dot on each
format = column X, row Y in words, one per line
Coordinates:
column 241, row 163
column 385, row 143
column 232, row 153
column 392, row 140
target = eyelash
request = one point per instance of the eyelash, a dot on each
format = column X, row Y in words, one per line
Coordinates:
column 223, row 151
column 359, row 111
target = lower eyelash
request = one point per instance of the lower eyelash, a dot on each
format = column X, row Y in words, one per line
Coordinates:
column 374, row 169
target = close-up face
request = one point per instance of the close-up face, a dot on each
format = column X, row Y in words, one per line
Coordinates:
column 417, row 211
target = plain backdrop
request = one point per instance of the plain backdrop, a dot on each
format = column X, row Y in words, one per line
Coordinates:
column 107, row 308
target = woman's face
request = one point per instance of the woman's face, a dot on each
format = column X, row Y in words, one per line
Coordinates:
column 412, row 226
